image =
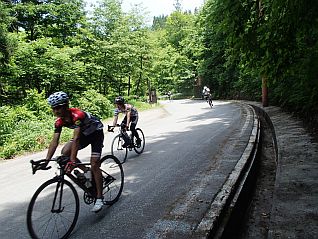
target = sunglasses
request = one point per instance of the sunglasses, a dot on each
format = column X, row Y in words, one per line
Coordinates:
column 58, row 107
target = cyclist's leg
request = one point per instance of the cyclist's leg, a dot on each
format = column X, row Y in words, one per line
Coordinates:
column 67, row 148
column 97, row 139
column 133, row 125
column 210, row 99
column 95, row 164
column 125, row 135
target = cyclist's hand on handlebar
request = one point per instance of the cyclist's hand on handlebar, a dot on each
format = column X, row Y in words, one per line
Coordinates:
column 44, row 164
column 70, row 166
column 111, row 128
column 39, row 165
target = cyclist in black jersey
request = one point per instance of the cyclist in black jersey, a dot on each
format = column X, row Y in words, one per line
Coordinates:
column 88, row 130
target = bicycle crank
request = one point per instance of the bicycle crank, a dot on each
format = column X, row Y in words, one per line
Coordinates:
column 88, row 198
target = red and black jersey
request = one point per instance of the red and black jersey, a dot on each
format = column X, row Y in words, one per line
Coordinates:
column 87, row 122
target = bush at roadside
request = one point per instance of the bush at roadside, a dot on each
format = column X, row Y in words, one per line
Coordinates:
column 29, row 127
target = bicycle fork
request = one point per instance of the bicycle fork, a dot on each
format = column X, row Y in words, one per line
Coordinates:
column 58, row 195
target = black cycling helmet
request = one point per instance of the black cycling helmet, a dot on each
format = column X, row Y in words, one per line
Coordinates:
column 58, row 98
column 119, row 100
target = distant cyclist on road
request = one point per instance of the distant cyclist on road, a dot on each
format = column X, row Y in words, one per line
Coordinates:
column 169, row 95
column 206, row 94
column 131, row 117
column 88, row 130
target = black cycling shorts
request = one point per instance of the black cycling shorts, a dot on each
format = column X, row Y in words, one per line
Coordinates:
column 96, row 141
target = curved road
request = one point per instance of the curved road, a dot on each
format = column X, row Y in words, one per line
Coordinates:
column 190, row 150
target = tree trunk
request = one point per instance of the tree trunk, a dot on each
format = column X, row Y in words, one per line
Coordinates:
column 149, row 90
column 140, row 76
column 129, row 85
column 264, row 91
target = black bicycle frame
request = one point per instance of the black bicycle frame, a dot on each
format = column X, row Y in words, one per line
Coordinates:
column 59, row 185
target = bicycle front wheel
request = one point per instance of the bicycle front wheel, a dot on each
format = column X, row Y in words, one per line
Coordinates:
column 140, row 149
column 53, row 210
column 210, row 103
column 113, row 179
column 118, row 150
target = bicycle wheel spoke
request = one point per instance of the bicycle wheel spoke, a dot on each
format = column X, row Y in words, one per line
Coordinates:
column 52, row 213
column 140, row 149
column 117, row 149
column 113, row 179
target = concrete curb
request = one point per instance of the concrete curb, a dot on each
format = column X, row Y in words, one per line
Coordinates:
column 261, row 112
column 217, row 217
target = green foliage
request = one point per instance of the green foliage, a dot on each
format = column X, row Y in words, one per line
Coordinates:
column 247, row 40
column 95, row 103
column 42, row 66
column 58, row 19
column 6, row 41
column 47, row 46
column 37, row 104
column 27, row 136
column 159, row 22
column 6, row 123
column 175, row 53
column 112, row 52
column 21, row 130
column 139, row 102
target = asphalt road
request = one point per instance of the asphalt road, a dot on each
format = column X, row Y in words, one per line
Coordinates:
column 190, row 150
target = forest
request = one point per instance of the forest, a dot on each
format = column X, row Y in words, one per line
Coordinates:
column 234, row 47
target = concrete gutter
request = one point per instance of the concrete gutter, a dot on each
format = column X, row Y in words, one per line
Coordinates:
column 294, row 205
column 262, row 113
column 227, row 202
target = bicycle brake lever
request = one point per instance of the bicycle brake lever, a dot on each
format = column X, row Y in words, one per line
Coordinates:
column 110, row 128
column 39, row 165
column 33, row 166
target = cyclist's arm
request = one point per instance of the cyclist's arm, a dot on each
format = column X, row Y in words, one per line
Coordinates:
column 53, row 145
column 115, row 120
column 128, row 118
column 75, row 143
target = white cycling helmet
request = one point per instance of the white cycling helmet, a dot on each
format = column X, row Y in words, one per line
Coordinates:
column 57, row 98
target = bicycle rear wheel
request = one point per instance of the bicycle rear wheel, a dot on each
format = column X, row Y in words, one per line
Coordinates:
column 53, row 210
column 113, row 179
column 117, row 149
column 140, row 149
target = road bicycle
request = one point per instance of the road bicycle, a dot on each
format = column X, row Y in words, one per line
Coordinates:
column 208, row 99
column 117, row 148
column 54, row 208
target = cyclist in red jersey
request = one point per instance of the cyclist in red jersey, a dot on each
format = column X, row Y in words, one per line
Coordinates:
column 88, row 130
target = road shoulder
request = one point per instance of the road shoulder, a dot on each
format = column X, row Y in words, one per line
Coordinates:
column 294, row 213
